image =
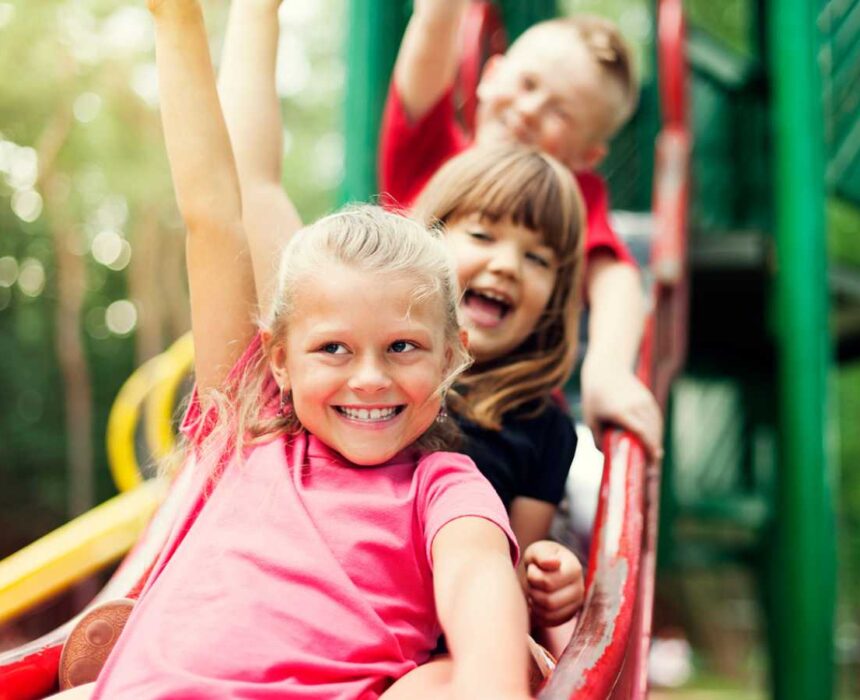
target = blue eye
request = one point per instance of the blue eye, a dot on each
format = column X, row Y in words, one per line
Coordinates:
column 399, row 346
column 333, row 348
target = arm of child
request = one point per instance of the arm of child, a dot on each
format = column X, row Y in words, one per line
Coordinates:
column 481, row 609
column 555, row 583
column 427, row 62
column 253, row 114
column 611, row 392
column 220, row 277
column 551, row 575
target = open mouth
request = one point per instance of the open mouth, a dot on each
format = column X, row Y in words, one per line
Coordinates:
column 485, row 307
column 369, row 415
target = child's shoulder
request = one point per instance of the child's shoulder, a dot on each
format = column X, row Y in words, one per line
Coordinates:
column 441, row 460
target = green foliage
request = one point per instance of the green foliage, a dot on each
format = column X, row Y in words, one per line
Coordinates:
column 843, row 225
column 80, row 74
column 729, row 21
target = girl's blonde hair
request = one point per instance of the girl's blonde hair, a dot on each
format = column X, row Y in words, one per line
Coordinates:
column 531, row 189
column 366, row 238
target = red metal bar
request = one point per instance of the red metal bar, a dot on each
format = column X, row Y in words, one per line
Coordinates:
column 482, row 35
column 607, row 656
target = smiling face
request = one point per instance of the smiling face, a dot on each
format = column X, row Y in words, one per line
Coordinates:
column 548, row 91
column 364, row 361
column 507, row 275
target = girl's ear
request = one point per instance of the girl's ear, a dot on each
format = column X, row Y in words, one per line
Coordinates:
column 277, row 353
column 463, row 336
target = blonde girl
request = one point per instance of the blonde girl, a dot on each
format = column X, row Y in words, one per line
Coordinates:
column 534, row 205
column 324, row 547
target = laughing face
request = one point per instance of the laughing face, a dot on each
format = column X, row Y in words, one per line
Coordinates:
column 547, row 92
column 507, row 275
column 364, row 361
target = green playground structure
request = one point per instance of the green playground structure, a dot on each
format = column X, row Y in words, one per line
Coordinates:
column 776, row 134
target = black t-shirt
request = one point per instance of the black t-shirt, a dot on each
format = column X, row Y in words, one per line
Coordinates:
column 529, row 456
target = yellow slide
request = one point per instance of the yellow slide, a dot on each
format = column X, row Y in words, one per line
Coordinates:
column 103, row 535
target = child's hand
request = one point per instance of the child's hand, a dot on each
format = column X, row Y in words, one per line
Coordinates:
column 619, row 398
column 555, row 584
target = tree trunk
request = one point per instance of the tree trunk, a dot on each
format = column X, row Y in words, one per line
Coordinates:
column 71, row 288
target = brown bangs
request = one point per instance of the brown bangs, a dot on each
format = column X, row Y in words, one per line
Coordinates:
column 533, row 190
column 512, row 183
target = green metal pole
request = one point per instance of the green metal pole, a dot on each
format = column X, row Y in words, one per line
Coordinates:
column 375, row 30
column 519, row 15
column 805, row 550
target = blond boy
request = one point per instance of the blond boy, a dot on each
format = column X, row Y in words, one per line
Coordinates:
column 565, row 86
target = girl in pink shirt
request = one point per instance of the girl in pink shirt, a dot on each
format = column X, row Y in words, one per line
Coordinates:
column 327, row 542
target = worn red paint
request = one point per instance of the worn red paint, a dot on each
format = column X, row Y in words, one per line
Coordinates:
column 607, row 656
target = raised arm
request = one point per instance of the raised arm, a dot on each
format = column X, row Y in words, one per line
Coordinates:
column 611, row 392
column 223, row 301
column 253, row 114
column 481, row 609
column 427, row 62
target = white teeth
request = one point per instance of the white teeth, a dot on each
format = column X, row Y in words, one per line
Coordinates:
column 373, row 414
column 494, row 296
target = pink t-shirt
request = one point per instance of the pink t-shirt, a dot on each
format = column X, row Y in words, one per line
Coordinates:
column 297, row 575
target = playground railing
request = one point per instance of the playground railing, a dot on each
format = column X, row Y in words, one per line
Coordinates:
column 607, row 655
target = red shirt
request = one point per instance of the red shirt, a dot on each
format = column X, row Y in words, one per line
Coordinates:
column 411, row 152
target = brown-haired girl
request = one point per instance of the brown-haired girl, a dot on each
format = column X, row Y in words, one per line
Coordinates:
column 513, row 219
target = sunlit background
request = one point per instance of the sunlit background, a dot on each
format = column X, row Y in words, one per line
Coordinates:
column 91, row 256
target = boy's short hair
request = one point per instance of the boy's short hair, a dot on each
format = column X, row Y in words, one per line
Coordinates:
column 603, row 41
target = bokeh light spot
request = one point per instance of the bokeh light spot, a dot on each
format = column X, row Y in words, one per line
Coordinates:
column 121, row 317
column 87, row 107
column 8, row 271
column 144, row 81
column 23, row 167
column 31, row 279
column 27, row 205
column 7, row 150
column 106, row 247
column 7, row 13
column 123, row 259
column 328, row 161
column 94, row 322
